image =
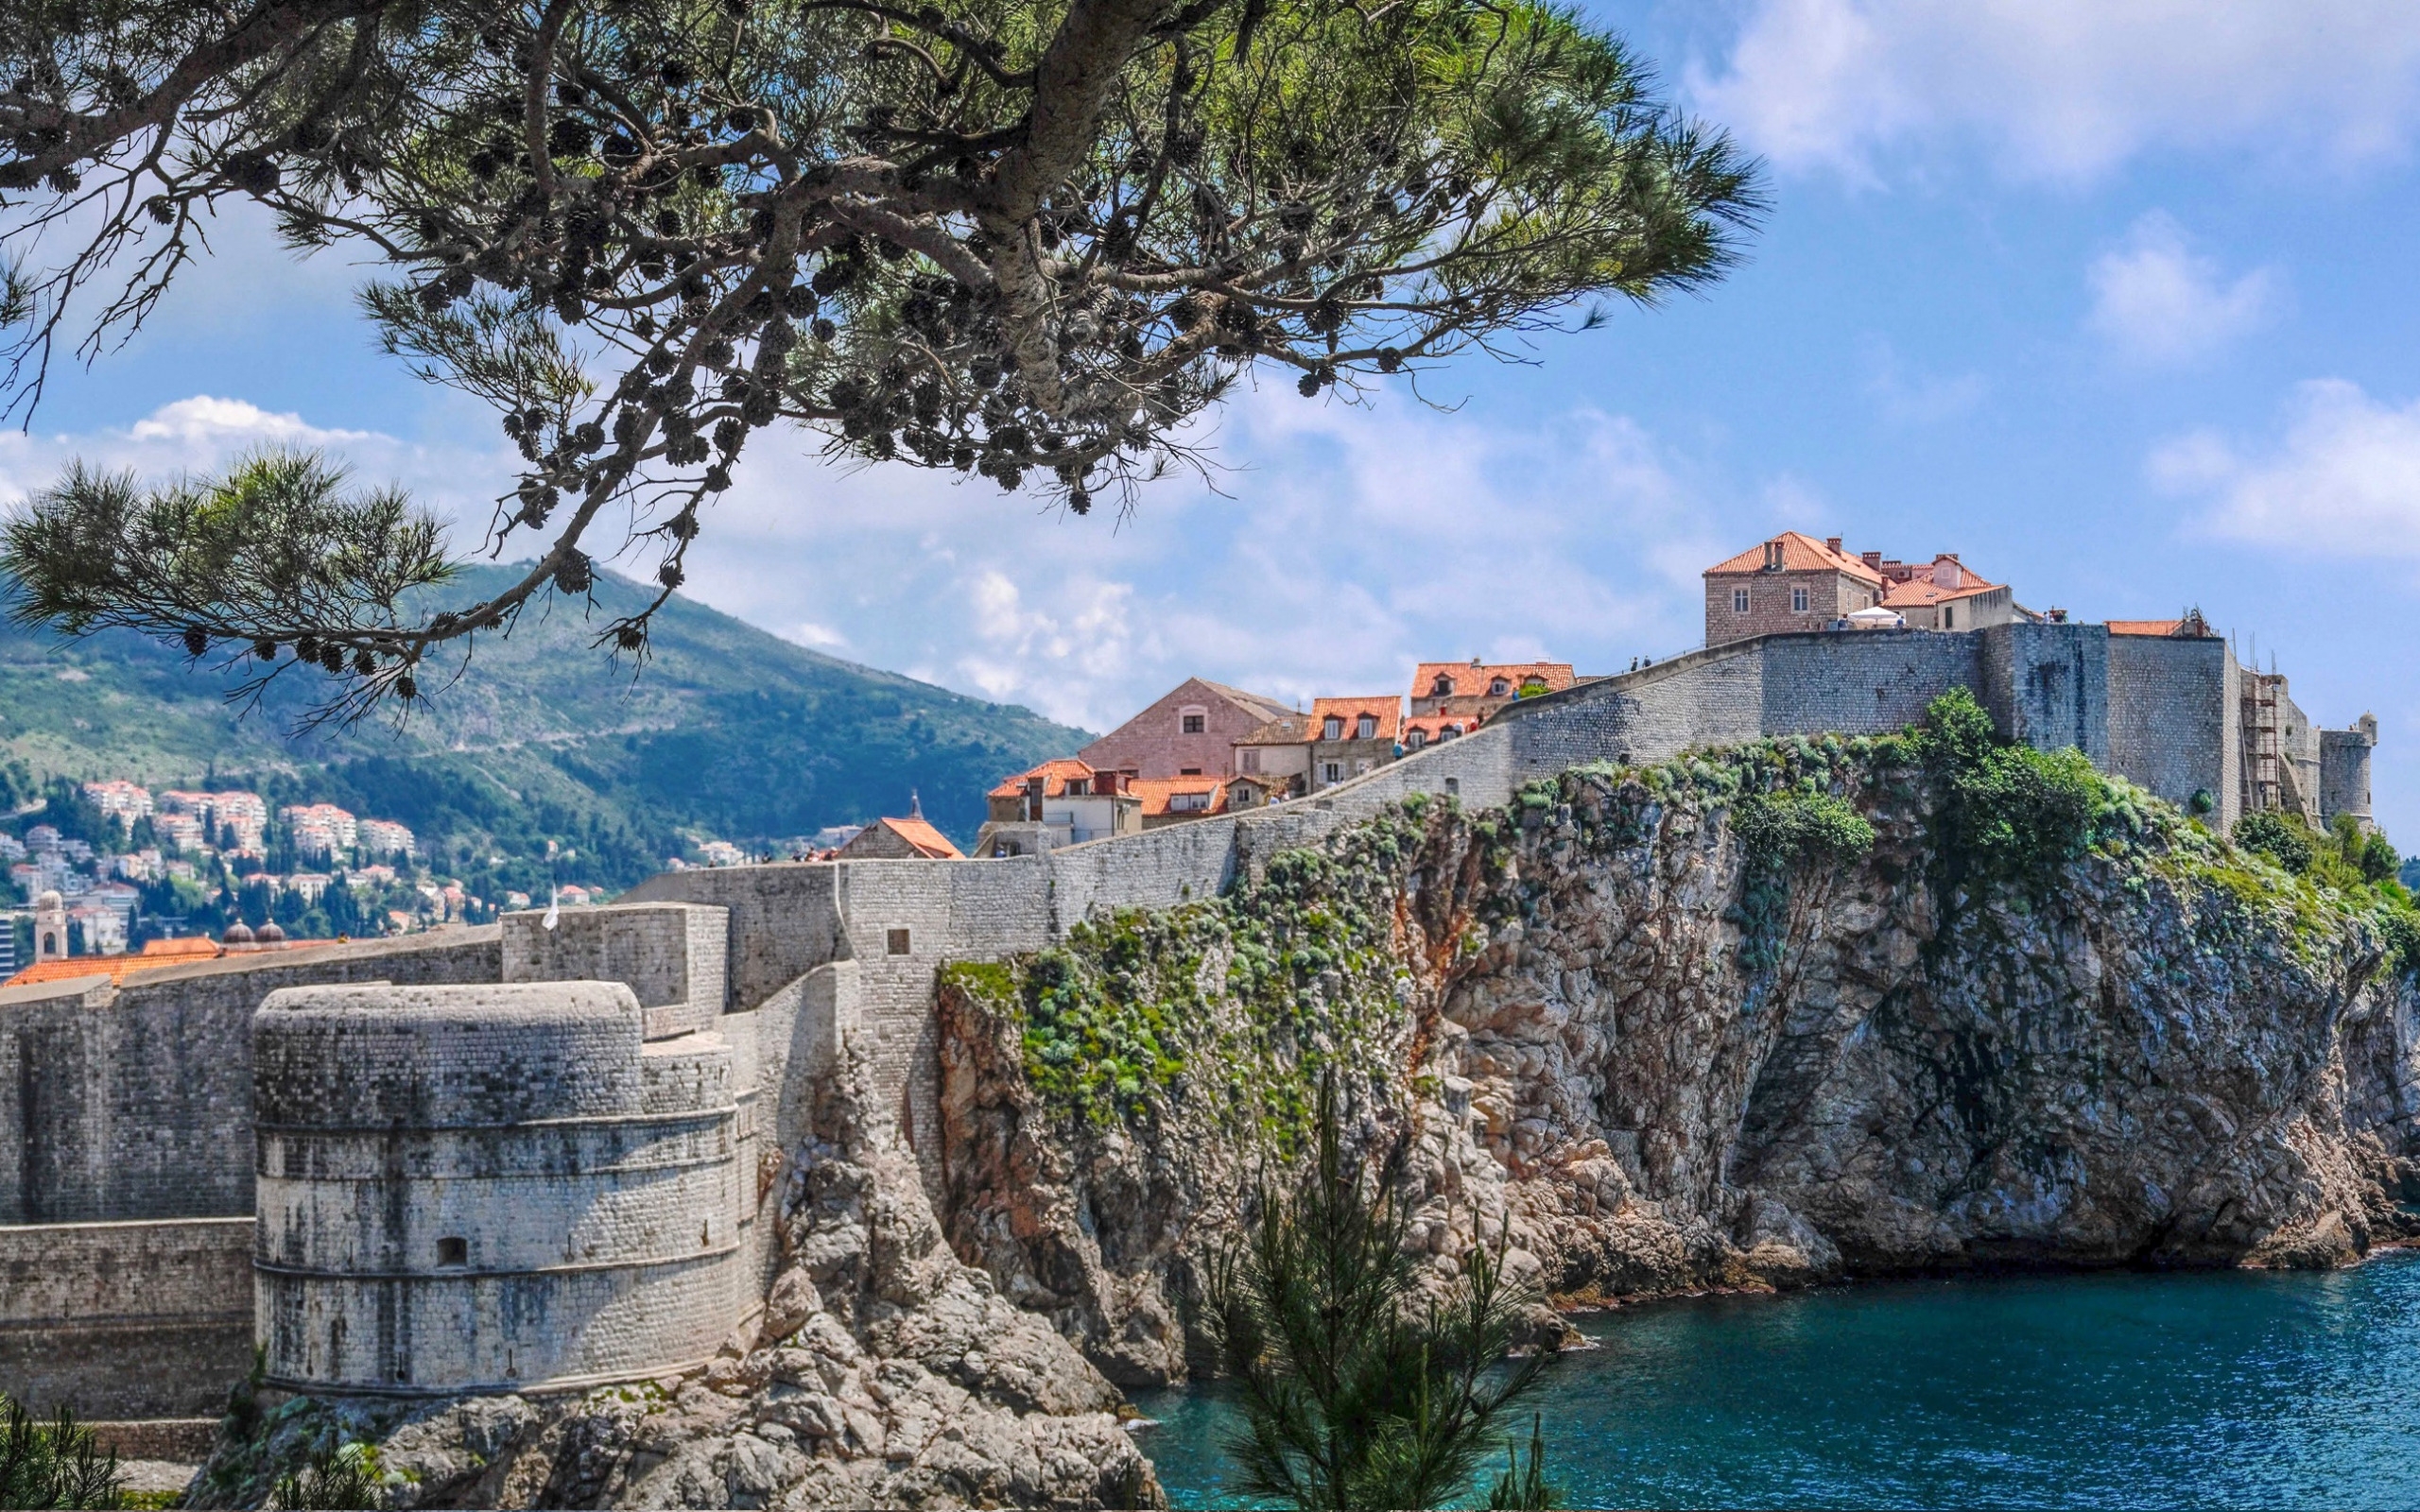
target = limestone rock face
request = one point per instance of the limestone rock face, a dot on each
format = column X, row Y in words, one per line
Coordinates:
column 2121, row 1062
column 884, row 1373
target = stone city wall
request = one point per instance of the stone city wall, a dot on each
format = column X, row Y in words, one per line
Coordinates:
column 2172, row 725
column 136, row 1102
column 126, row 1320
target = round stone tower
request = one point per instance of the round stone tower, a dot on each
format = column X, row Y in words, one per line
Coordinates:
column 489, row 1188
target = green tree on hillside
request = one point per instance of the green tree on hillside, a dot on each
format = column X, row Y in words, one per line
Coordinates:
column 1031, row 242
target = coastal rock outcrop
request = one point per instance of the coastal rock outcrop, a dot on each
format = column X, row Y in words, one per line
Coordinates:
column 1670, row 1064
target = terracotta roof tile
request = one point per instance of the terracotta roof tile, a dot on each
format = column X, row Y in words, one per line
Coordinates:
column 1470, row 681
column 1291, row 731
column 927, row 841
column 1054, row 774
column 2144, row 626
column 1798, row 553
column 1387, row 708
column 1156, row 792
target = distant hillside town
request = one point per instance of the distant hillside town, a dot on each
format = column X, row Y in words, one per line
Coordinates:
column 112, row 868
column 2191, row 722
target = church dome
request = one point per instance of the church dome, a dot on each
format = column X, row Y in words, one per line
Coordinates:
column 269, row 935
column 238, row 933
column 50, row 898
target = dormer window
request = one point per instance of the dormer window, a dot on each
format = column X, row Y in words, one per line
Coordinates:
column 1079, row 788
column 1441, row 688
column 1448, row 731
column 1332, row 728
column 1415, row 738
column 1366, row 728
column 1499, row 688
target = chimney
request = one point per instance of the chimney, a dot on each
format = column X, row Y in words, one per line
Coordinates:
column 1833, row 544
column 1872, row 558
column 1772, row 555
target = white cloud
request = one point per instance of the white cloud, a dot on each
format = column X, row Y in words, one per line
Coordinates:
column 2343, row 481
column 2157, row 302
column 2066, row 89
column 206, row 432
column 1347, row 544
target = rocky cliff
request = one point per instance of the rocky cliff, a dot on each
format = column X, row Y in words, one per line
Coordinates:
column 1675, row 1060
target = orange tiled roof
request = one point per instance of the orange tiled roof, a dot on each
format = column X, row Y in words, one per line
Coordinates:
column 1917, row 592
column 157, row 953
column 1431, row 726
column 1798, row 553
column 1470, row 679
column 1387, row 707
column 927, row 841
column 1155, row 792
column 1054, row 775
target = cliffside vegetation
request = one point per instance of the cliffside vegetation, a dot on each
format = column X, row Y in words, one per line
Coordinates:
column 1238, row 1002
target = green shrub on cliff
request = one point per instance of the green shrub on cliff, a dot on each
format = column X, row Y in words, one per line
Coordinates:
column 1357, row 1392
column 2281, row 838
column 57, row 1463
column 2007, row 810
column 1789, row 827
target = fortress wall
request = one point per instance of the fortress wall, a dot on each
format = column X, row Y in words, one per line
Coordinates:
column 2172, row 718
column 126, row 1320
column 490, row 1188
column 1866, row 682
column 673, row 956
column 2047, row 685
column 785, row 919
column 2345, row 772
column 138, row 1104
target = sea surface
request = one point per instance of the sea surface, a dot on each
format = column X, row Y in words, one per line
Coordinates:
column 2224, row 1389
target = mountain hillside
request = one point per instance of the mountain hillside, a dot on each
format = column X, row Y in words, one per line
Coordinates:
column 726, row 733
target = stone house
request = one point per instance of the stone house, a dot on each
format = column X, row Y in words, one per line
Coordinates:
column 1482, row 687
column 1278, row 755
column 1791, row 582
column 1060, row 802
column 1796, row 583
column 908, row 839
column 1350, row 736
column 1189, row 732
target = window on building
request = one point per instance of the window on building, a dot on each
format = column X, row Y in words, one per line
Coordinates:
column 1441, row 688
column 1499, row 688
column 1331, row 771
column 1079, row 788
column 1332, row 728
column 1414, row 739
column 1188, row 802
column 453, row 1251
column 1248, row 760
column 1738, row 601
column 1798, row 601
column 1188, row 771
column 1949, row 617
column 1448, row 731
column 1191, row 724
column 1366, row 728
column 897, row 943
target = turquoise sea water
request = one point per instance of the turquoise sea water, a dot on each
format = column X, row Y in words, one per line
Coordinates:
column 2227, row 1389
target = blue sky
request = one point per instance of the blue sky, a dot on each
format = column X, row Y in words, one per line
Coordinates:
column 2115, row 297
